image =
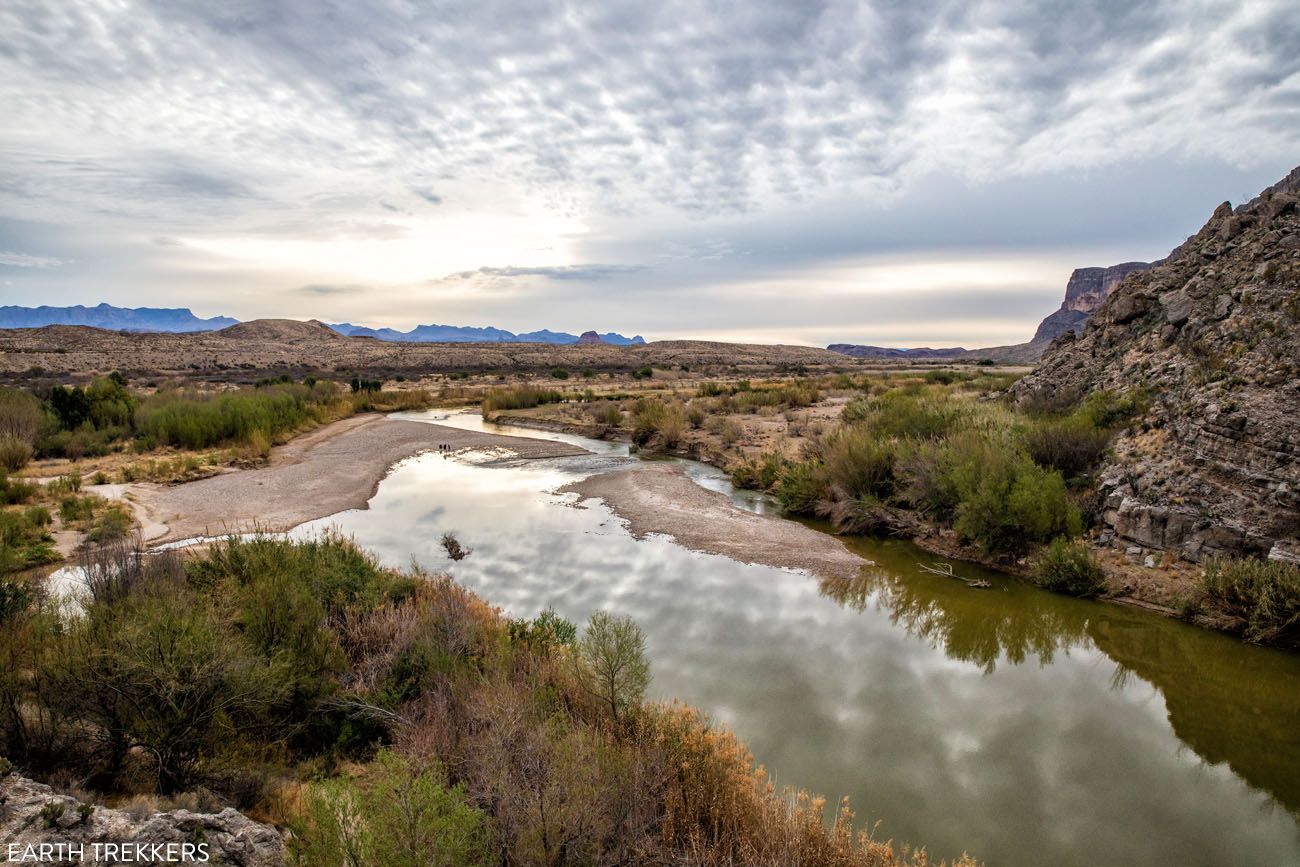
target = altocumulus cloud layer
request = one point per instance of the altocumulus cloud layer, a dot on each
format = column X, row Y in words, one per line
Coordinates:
column 889, row 172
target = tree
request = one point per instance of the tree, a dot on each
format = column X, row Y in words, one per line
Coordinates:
column 399, row 816
column 20, row 426
column 611, row 661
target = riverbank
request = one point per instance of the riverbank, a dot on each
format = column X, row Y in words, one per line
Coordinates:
column 329, row 470
column 662, row 499
column 1167, row 586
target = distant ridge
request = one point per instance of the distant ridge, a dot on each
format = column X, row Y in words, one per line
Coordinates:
column 854, row 350
column 162, row 319
column 281, row 330
column 1086, row 290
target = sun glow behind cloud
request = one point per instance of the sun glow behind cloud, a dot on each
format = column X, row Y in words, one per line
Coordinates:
column 423, row 248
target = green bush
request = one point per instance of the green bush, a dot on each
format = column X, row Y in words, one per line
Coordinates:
column 1010, row 503
column 197, row 421
column 1073, row 445
column 860, row 464
column 802, row 488
column 13, row 491
column 398, row 815
column 1265, row 594
column 1069, row 567
column 758, row 474
column 1109, row 409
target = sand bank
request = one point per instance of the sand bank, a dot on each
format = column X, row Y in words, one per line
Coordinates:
column 661, row 499
column 327, row 471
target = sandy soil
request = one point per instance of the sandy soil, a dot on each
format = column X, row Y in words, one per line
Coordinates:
column 329, row 470
column 659, row 498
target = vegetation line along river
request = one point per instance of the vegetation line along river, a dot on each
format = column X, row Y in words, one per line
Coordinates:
column 1023, row 726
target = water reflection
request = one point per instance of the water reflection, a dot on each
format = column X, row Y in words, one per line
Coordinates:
column 1231, row 703
column 991, row 720
column 973, row 625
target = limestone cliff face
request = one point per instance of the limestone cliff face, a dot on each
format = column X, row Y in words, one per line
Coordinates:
column 1213, row 335
column 33, row 815
column 1084, row 293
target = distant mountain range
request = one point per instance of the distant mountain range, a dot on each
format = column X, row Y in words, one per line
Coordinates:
column 170, row 319
column 180, row 319
column 467, row 334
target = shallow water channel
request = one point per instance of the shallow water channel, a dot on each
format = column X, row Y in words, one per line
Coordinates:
column 1025, row 727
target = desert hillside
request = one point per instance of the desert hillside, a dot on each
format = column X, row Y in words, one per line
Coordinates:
column 282, row 345
column 1211, row 337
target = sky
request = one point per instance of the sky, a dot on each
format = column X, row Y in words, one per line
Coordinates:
column 784, row 171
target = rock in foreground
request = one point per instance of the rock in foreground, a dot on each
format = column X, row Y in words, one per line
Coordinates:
column 33, row 816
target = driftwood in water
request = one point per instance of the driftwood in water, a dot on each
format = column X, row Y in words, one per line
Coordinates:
column 945, row 569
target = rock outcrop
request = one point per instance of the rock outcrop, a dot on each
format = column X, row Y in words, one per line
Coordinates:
column 1212, row 336
column 589, row 338
column 1084, row 293
column 33, row 815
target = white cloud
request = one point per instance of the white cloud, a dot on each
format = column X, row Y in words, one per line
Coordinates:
column 23, row 260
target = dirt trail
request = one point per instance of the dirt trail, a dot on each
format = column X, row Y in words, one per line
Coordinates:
column 327, row 471
column 659, row 498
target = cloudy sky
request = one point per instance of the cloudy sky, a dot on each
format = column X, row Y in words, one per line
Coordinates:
column 905, row 173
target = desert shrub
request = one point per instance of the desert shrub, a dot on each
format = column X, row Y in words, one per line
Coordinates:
column 520, row 397
column 1010, row 503
column 158, row 672
column 547, row 629
column 15, row 453
column 1069, row 567
column 335, row 571
column 802, row 487
column 657, row 423
column 858, row 463
column 1109, row 409
column 758, row 474
column 901, row 414
column 24, row 541
column 1073, row 445
column 559, row 373
column 1265, row 594
column 396, row 815
column 13, row 491
column 112, row 522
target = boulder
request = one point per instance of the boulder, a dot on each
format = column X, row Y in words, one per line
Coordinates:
column 72, row 832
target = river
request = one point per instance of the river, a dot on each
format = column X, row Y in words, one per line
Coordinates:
column 1025, row 727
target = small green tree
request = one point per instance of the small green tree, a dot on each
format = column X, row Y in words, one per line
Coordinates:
column 611, row 661
column 397, row 816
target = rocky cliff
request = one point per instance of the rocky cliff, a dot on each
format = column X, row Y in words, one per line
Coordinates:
column 1084, row 293
column 46, row 827
column 1212, row 336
